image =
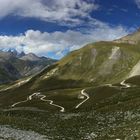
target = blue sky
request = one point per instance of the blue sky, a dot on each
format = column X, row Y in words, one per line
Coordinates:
column 54, row 28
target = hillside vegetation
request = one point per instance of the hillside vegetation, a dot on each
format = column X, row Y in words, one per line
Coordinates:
column 91, row 94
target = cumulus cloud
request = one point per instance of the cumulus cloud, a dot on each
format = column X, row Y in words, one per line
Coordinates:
column 59, row 42
column 138, row 3
column 49, row 10
column 64, row 12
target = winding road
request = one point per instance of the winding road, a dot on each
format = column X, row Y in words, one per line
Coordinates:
column 110, row 85
column 85, row 95
column 28, row 99
column 38, row 94
column 62, row 109
column 42, row 98
column 125, row 84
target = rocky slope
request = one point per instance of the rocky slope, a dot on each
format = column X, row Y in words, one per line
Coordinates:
column 133, row 38
column 14, row 65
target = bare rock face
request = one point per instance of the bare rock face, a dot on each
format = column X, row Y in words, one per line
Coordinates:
column 107, row 66
column 14, row 65
column 30, row 57
column 133, row 38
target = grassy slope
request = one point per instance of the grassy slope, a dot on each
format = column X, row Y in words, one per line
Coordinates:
column 106, row 113
column 78, row 70
column 74, row 73
column 110, row 113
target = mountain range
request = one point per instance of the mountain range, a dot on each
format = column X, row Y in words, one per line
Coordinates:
column 14, row 65
column 92, row 93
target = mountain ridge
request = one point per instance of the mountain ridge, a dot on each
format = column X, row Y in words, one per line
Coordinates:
column 132, row 38
column 14, row 65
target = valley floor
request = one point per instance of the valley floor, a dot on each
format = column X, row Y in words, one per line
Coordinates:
column 69, row 126
column 108, row 112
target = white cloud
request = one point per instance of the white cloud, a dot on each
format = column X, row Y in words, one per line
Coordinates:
column 58, row 42
column 48, row 10
column 64, row 12
column 138, row 3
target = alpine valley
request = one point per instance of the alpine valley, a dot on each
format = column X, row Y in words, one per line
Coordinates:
column 91, row 94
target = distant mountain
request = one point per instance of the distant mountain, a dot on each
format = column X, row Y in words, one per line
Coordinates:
column 30, row 57
column 14, row 65
column 21, row 54
column 133, row 38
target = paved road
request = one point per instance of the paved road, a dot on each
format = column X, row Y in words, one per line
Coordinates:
column 85, row 95
column 125, row 84
column 38, row 94
column 62, row 109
